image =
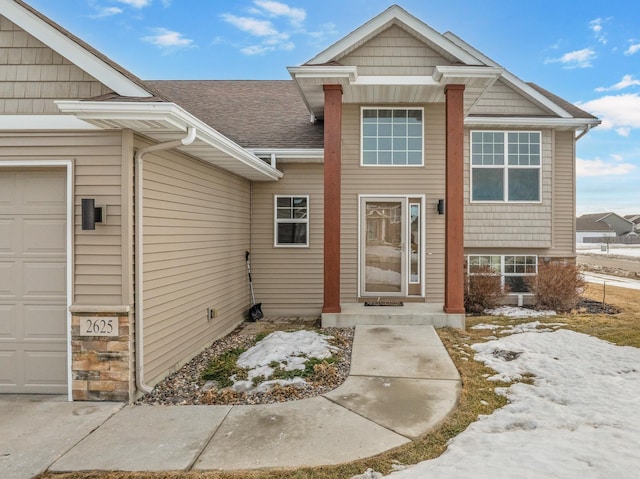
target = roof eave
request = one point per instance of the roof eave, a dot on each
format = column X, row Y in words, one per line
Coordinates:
column 165, row 121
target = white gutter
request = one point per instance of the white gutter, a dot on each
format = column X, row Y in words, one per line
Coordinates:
column 139, row 310
column 531, row 121
column 586, row 130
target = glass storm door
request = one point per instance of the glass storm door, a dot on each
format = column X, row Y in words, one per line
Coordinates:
column 383, row 271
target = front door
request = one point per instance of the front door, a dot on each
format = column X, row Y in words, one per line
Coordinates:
column 390, row 259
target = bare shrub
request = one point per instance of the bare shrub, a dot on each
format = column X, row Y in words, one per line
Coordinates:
column 557, row 286
column 483, row 290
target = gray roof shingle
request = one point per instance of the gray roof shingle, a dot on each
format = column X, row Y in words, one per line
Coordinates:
column 252, row 113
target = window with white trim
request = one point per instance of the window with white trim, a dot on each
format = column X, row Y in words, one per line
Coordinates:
column 505, row 166
column 513, row 269
column 291, row 226
column 392, row 137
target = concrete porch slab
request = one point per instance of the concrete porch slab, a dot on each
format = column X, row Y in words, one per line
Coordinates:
column 410, row 407
column 411, row 314
column 146, row 438
column 309, row 432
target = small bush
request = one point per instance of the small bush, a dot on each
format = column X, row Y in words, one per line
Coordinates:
column 221, row 368
column 557, row 286
column 483, row 290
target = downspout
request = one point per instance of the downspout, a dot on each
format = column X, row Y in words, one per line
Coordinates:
column 585, row 131
column 139, row 310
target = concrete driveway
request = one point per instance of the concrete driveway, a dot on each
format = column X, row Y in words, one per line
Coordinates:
column 35, row 430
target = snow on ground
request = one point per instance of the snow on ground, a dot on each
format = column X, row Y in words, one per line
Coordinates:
column 611, row 280
column 579, row 418
column 289, row 349
column 517, row 312
column 614, row 249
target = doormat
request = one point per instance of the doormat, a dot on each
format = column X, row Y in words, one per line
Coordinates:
column 383, row 303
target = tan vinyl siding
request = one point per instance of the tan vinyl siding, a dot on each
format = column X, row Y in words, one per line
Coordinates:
column 32, row 75
column 288, row 280
column 428, row 180
column 564, row 195
column 503, row 225
column 97, row 159
column 196, row 230
column 394, row 52
column 501, row 99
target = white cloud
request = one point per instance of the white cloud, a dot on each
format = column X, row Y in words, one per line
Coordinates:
column 136, row 3
column 633, row 48
column 258, row 28
column 575, row 59
column 276, row 9
column 597, row 29
column 619, row 112
column 168, row 40
column 626, row 82
column 598, row 167
column 107, row 12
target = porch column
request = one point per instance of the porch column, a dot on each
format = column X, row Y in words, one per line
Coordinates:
column 454, row 212
column 332, row 160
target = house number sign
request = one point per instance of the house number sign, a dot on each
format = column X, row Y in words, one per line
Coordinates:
column 98, row 326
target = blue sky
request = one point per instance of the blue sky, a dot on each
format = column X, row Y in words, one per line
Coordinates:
column 587, row 52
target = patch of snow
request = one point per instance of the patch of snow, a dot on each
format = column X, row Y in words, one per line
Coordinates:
column 517, row 312
column 289, row 349
column 614, row 249
column 578, row 419
column 618, row 281
column 485, row 326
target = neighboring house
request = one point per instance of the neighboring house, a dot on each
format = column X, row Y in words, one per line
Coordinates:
column 392, row 161
column 602, row 225
column 635, row 219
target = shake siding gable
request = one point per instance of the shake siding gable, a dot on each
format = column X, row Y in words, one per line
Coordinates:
column 196, row 230
column 516, row 225
column 501, row 99
column 32, row 75
column 394, row 52
column 288, row 280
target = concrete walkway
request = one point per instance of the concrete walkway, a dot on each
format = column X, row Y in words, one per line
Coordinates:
column 402, row 383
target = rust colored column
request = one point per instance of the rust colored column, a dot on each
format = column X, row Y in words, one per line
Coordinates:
column 332, row 160
column 454, row 219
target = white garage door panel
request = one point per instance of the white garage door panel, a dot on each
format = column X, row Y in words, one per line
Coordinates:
column 33, row 316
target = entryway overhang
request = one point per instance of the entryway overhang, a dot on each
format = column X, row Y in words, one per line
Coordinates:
column 164, row 121
column 380, row 89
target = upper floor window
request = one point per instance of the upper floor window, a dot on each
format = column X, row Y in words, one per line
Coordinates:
column 392, row 136
column 505, row 166
column 291, row 221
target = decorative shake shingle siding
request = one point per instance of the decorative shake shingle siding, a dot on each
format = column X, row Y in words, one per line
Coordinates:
column 196, row 230
column 501, row 99
column 97, row 161
column 288, row 280
column 515, row 225
column 32, row 75
column 394, row 52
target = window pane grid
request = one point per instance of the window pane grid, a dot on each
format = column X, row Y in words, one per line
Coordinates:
column 517, row 180
column 291, row 221
column 391, row 137
column 513, row 269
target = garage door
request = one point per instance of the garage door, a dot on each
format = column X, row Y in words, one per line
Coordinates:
column 33, row 349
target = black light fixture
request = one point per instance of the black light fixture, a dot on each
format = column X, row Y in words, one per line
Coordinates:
column 440, row 207
column 90, row 214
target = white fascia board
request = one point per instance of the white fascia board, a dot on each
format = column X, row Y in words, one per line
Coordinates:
column 289, row 153
column 530, row 121
column 170, row 113
column 72, row 51
column 43, row 122
column 363, row 80
column 510, row 78
column 330, row 71
column 379, row 22
column 442, row 72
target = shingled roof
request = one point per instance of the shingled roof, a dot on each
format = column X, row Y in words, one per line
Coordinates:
column 252, row 113
column 562, row 103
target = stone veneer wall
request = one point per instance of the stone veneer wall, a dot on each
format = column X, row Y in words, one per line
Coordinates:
column 102, row 366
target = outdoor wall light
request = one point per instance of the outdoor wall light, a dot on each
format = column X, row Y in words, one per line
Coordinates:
column 440, row 207
column 92, row 214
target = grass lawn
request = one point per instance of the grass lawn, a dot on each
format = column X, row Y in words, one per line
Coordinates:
column 477, row 396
